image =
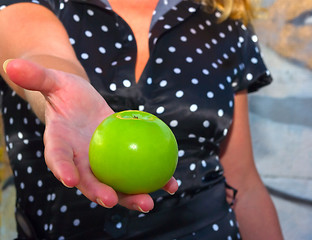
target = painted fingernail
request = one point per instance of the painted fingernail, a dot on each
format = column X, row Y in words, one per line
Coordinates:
column 100, row 202
column 5, row 64
column 65, row 184
column 137, row 207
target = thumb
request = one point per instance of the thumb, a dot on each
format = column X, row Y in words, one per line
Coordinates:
column 30, row 75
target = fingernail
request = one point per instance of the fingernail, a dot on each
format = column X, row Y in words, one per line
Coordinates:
column 171, row 193
column 99, row 201
column 140, row 209
column 65, row 184
column 5, row 64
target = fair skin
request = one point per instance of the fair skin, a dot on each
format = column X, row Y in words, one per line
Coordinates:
column 58, row 109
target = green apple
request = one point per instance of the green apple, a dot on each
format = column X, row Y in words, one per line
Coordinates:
column 133, row 152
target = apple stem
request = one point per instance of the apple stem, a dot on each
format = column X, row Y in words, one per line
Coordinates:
column 136, row 117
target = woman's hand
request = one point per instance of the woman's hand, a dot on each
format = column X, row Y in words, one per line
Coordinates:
column 73, row 110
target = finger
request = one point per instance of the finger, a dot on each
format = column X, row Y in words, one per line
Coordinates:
column 140, row 202
column 172, row 186
column 95, row 190
column 59, row 159
column 30, row 76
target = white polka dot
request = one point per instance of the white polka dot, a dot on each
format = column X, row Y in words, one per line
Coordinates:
column 214, row 41
column 104, row 28
column 193, row 108
column 173, row 123
column 167, row 26
column 126, row 83
column 179, row 182
column 254, row 60
column 159, row 60
column 177, row 70
column 207, row 45
column 76, row 18
column 31, row 198
column 199, row 51
column 208, row 23
column 191, row 9
column 61, row 238
column 163, row 83
column 39, row 212
column 193, row 31
column 63, row 208
column 149, row 81
column 93, row 205
column 11, row 121
column 220, row 113
column 84, row 56
column 231, row 223
column 249, row 76
column 29, row 170
column 128, row 58
column 210, row 94
column 215, row 227
column 160, row 110
column 141, row 107
column 98, row 70
column 88, row 33
column 119, row 225
column 172, row 49
column 19, row 156
column 231, row 104
column 205, row 71
column 179, row 94
column 183, row 39
column 113, row 87
column 130, row 38
column 189, row 59
column 78, row 192
column 254, row 38
column 201, row 139
column 39, row 183
column 225, row 131
column 195, row 81
column 181, row 153
column 72, row 41
column 192, row 166
column 221, row 86
column 206, row 123
column 191, row 135
column 118, row 45
column 76, row 222
column 204, row 163
column 20, row 135
column 22, row 185
column 229, row 238
column 222, row 35
column 46, row 227
column 90, row 12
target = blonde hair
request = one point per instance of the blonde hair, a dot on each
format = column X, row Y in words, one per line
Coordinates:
column 244, row 10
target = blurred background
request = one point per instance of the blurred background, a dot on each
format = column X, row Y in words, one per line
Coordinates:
column 280, row 116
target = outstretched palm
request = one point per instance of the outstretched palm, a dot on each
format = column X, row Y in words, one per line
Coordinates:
column 73, row 110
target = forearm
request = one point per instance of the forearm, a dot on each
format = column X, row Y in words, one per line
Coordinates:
column 256, row 213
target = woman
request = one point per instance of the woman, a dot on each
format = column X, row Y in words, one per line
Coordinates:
column 188, row 64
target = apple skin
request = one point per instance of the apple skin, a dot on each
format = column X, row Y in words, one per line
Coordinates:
column 133, row 152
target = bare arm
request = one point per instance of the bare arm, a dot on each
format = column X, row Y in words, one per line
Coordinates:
column 254, row 209
column 48, row 75
column 33, row 33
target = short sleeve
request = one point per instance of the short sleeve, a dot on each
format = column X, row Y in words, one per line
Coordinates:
column 253, row 73
column 53, row 5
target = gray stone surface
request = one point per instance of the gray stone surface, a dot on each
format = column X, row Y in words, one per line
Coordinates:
column 281, row 123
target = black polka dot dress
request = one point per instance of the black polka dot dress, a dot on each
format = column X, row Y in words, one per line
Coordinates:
column 195, row 68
